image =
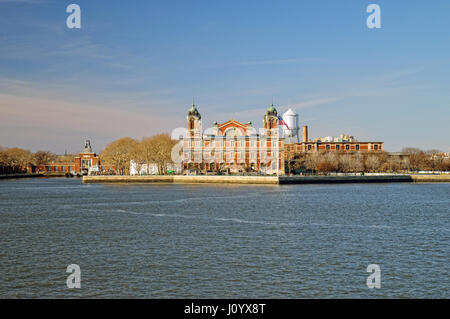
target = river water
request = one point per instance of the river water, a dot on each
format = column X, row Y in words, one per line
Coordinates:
column 223, row 241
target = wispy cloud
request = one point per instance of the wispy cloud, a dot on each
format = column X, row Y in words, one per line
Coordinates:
column 22, row 1
column 26, row 119
column 83, row 47
column 313, row 102
column 277, row 61
column 374, row 86
column 51, row 116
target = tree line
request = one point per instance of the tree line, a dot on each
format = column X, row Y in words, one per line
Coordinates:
column 157, row 150
column 149, row 150
column 15, row 160
column 411, row 159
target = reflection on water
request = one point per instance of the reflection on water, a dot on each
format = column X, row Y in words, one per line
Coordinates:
column 223, row 241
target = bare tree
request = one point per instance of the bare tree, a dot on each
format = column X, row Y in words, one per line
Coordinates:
column 17, row 159
column 345, row 163
column 120, row 153
column 43, row 157
column 154, row 150
column 312, row 160
column 351, row 163
column 66, row 158
column 372, row 163
column 163, row 147
column 146, row 152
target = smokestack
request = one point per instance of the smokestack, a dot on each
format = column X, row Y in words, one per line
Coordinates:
column 305, row 133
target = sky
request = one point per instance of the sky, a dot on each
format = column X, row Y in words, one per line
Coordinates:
column 134, row 67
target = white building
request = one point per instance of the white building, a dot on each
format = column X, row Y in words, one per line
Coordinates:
column 152, row 169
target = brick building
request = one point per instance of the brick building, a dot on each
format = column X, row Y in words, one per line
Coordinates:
column 236, row 147
column 233, row 146
column 343, row 143
column 85, row 161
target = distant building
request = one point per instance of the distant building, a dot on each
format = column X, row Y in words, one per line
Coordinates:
column 85, row 162
column 341, row 138
column 343, row 143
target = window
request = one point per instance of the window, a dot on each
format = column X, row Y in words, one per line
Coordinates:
column 338, row 147
column 309, row 147
column 347, row 147
column 55, row 168
column 49, row 168
column 328, row 147
column 85, row 163
column 63, row 168
column 375, row 147
column 197, row 157
column 70, row 168
column 357, row 147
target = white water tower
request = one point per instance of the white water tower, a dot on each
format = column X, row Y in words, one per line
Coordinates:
column 291, row 119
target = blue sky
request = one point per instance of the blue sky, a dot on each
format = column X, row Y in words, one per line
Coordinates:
column 134, row 67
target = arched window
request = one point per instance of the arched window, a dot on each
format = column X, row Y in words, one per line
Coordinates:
column 232, row 132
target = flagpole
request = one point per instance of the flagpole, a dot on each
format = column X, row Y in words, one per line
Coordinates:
column 278, row 152
column 282, row 122
column 278, row 156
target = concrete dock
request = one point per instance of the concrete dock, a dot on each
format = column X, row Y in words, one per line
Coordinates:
column 181, row 179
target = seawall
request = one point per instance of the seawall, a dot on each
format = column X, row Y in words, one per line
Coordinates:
column 12, row 176
column 182, row 179
column 267, row 179
column 430, row 178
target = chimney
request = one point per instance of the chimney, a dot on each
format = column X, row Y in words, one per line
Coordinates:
column 305, row 134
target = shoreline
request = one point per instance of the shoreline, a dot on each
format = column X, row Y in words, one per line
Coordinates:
column 274, row 180
column 13, row 176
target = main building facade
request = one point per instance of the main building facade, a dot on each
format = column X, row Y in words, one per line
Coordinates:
column 235, row 147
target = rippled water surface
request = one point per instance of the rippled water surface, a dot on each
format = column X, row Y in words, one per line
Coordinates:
column 223, row 241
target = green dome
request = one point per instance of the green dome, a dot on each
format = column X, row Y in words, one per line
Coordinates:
column 271, row 110
column 193, row 111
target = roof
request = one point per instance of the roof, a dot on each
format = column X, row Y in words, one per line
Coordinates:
column 290, row 112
